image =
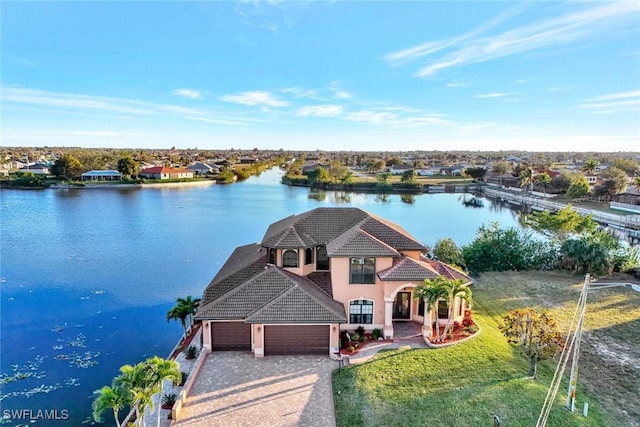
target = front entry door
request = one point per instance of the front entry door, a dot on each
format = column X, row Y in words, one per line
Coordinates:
column 402, row 306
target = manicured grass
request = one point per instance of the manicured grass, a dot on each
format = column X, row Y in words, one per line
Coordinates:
column 465, row 385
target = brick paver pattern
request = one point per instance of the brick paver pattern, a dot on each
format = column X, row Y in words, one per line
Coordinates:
column 235, row 389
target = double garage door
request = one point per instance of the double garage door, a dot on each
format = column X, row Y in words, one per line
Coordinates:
column 296, row 339
column 278, row 339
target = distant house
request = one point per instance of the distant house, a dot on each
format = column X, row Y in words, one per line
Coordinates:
column 200, row 168
column 101, row 175
column 400, row 168
column 162, row 172
column 312, row 167
column 629, row 200
column 36, row 169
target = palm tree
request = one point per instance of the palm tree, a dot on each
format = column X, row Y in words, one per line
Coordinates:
column 455, row 288
column 432, row 291
column 544, row 179
column 137, row 381
column 162, row 369
column 526, row 178
column 114, row 398
column 590, row 166
column 183, row 311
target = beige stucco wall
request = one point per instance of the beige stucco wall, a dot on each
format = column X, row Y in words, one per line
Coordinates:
column 345, row 292
column 206, row 335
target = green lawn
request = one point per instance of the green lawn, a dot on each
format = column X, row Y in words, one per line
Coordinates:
column 465, row 385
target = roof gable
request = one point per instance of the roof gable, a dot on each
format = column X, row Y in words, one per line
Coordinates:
column 357, row 242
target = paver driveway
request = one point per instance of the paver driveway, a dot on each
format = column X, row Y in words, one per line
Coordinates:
column 237, row 389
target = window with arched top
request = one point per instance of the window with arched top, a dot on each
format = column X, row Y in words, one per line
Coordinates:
column 271, row 256
column 290, row 258
column 308, row 256
column 322, row 259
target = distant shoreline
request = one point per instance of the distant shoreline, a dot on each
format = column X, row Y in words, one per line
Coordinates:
column 203, row 183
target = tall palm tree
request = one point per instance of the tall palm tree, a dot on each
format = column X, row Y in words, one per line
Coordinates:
column 455, row 288
column 114, row 398
column 526, row 178
column 432, row 292
column 137, row 380
column 161, row 370
column 590, row 166
column 183, row 311
column 544, row 179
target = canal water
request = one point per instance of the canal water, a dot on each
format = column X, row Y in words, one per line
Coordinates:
column 87, row 276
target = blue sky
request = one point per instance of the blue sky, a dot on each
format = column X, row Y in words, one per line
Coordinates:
column 358, row 75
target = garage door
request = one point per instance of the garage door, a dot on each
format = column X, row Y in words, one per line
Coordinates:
column 231, row 336
column 296, row 339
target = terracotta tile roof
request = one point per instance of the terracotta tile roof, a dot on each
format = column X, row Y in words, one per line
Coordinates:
column 322, row 226
column 408, row 269
column 244, row 262
column 274, row 295
column 302, row 303
column 323, row 280
column 356, row 242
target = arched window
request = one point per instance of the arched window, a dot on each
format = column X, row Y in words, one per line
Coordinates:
column 290, row 258
column 308, row 256
column 322, row 259
column 361, row 311
column 271, row 256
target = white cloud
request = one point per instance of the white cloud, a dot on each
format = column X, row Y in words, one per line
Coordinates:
column 614, row 103
column 492, row 95
column 320, row 111
column 458, row 84
column 397, row 119
column 255, row 98
column 583, row 25
column 299, row 92
column 188, row 93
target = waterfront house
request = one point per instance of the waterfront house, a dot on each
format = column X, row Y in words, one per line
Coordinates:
column 199, row 168
column 101, row 175
column 36, row 169
column 313, row 275
column 399, row 169
column 163, row 172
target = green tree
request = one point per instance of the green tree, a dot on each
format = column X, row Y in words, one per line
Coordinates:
column 455, row 288
column 535, row 333
column 526, row 178
column 544, row 179
column 384, row 177
column 183, row 311
column 114, row 398
column 614, row 182
column 504, row 249
column 500, row 167
column 590, row 166
column 408, row 176
column 475, row 173
column 161, row 370
column 561, row 224
column 597, row 253
column 128, row 167
column 630, row 166
column 137, row 381
column 578, row 188
column 67, row 167
column 432, row 292
column 336, row 171
column 447, row 251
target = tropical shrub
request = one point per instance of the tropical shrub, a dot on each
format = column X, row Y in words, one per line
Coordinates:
column 191, row 352
column 360, row 330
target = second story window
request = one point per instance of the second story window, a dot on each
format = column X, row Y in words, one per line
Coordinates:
column 322, row 259
column 271, row 254
column 362, row 271
column 308, row 256
column 290, row 258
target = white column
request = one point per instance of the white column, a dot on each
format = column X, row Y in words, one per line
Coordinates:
column 388, row 317
column 427, row 330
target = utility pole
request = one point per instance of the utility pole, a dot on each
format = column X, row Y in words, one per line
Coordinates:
column 573, row 378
